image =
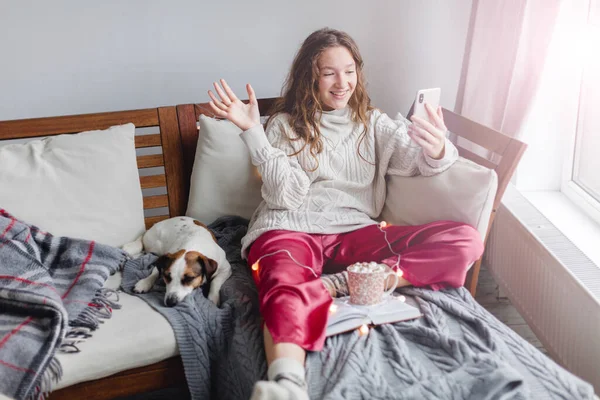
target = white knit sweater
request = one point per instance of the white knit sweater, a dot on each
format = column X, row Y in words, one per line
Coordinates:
column 345, row 192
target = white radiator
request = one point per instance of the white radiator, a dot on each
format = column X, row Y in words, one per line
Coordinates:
column 552, row 284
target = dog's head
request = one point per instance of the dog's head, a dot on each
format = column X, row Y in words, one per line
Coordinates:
column 183, row 272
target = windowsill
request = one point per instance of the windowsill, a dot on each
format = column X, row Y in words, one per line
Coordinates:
column 570, row 220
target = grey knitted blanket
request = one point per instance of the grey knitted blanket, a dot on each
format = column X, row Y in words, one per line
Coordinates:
column 457, row 350
column 51, row 296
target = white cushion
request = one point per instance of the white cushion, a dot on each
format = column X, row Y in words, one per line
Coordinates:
column 464, row 193
column 135, row 336
column 84, row 185
column 224, row 181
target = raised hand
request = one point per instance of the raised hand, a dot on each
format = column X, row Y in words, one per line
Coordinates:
column 431, row 136
column 244, row 116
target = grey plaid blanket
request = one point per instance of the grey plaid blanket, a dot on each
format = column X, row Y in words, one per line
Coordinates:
column 51, row 297
column 457, row 350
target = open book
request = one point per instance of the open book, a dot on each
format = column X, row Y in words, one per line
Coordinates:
column 346, row 316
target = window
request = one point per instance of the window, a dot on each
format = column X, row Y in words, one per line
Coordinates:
column 581, row 180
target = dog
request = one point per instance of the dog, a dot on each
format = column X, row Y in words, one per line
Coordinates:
column 189, row 257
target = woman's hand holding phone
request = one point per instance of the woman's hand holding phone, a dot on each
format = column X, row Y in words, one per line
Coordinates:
column 244, row 116
column 431, row 136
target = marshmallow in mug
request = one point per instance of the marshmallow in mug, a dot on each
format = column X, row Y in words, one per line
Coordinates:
column 366, row 267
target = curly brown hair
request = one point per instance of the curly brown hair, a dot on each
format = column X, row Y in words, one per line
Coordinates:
column 300, row 93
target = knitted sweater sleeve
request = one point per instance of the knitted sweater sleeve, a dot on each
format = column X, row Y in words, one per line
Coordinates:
column 403, row 156
column 285, row 183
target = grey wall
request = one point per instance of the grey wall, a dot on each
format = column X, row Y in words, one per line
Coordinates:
column 77, row 56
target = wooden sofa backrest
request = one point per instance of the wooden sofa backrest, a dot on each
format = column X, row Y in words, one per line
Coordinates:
column 164, row 137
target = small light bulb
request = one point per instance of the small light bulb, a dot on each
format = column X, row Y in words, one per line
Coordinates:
column 402, row 298
column 383, row 224
column 255, row 266
column 399, row 273
column 364, row 329
column 333, row 308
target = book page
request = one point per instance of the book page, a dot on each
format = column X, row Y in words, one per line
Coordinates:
column 345, row 317
column 393, row 309
column 348, row 316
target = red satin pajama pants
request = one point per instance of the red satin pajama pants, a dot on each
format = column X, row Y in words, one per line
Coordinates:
column 294, row 302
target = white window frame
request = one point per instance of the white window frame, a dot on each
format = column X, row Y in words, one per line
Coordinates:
column 573, row 191
column 570, row 188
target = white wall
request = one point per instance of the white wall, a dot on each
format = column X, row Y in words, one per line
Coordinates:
column 415, row 45
column 73, row 56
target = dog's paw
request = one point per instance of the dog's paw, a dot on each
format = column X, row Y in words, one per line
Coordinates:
column 143, row 286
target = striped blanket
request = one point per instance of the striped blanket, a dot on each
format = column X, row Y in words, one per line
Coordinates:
column 51, row 297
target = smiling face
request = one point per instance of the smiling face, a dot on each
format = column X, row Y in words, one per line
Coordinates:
column 183, row 272
column 337, row 77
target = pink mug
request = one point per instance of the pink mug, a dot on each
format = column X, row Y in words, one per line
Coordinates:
column 367, row 282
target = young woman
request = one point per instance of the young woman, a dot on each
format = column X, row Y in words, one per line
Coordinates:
column 323, row 161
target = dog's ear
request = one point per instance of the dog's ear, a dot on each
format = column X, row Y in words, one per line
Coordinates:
column 208, row 265
column 162, row 263
column 211, row 267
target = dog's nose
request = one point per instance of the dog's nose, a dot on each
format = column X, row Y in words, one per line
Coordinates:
column 171, row 301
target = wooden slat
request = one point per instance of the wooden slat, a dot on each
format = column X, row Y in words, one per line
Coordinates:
column 177, row 184
column 473, row 274
column 151, row 140
column 203, row 108
column 469, row 155
column 487, row 138
column 152, row 181
column 264, row 107
column 187, row 117
column 149, row 221
column 164, row 374
column 507, row 166
column 36, row 127
column 152, row 160
column 473, row 277
column 156, row 201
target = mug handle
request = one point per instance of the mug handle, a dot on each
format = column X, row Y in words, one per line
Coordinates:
column 393, row 287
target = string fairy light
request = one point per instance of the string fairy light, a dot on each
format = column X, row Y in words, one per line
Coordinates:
column 256, row 265
column 363, row 330
column 383, row 225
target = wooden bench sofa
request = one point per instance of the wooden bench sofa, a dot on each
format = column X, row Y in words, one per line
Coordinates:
column 175, row 133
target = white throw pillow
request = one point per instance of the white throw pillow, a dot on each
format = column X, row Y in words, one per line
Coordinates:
column 224, row 181
column 84, row 185
column 464, row 192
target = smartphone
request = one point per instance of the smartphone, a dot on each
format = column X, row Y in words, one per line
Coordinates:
column 429, row 96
